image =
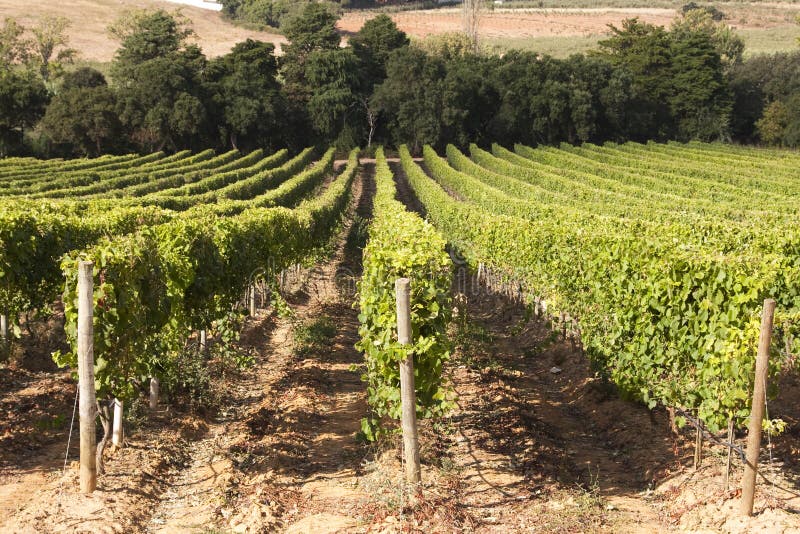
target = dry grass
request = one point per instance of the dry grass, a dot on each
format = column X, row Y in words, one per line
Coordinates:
column 91, row 18
column 757, row 41
column 766, row 27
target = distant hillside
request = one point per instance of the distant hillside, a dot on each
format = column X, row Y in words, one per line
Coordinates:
column 90, row 18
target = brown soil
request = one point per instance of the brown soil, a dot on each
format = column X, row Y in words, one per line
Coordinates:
column 526, row 449
column 517, row 23
column 511, row 24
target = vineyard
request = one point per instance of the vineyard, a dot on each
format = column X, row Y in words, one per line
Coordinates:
column 647, row 263
column 658, row 260
column 164, row 273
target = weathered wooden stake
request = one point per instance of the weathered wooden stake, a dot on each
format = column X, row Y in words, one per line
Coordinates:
column 407, row 392
column 252, row 301
column 88, row 402
column 3, row 335
column 154, row 391
column 203, row 341
column 117, row 433
column 730, row 455
column 757, row 411
column 698, row 448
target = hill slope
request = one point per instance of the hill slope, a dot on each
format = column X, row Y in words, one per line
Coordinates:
column 90, row 18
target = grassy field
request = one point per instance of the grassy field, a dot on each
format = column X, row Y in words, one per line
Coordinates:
column 757, row 41
column 770, row 40
column 556, row 46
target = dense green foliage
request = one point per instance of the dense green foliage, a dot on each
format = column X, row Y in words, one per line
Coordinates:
column 645, row 82
column 401, row 244
column 247, row 95
column 160, row 274
column 667, row 301
column 270, row 13
column 167, row 280
column 79, row 204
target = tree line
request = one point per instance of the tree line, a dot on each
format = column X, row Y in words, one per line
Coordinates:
column 688, row 81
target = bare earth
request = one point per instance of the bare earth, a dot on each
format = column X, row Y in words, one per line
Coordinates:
column 519, row 23
column 512, row 23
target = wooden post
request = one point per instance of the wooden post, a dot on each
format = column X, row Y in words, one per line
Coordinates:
column 154, row 391
column 757, row 411
column 202, row 340
column 252, row 299
column 730, row 454
column 407, row 392
column 88, row 402
column 3, row 336
column 698, row 447
column 117, row 434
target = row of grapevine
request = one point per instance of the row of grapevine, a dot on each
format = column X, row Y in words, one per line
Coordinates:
column 159, row 284
column 668, row 311
column 70, row 186
column 47, row 184
column 41, row 169
column 35, row 233
column 401, row 244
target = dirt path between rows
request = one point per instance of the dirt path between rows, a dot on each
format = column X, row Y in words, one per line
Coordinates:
column 282, row 431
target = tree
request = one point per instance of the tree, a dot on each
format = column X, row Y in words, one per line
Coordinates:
column 84, row 120
column 773, row 123
column 272, row 13
column 314, row 28
column 13, row 48
column 472, row 14
column 50, row 46
column 411, row 98
column 645, row 51
column 700, row 101
column 146, row 35
column 678, row 81
column 470, row 100
column 448, row 45
column 23, row 99
column 780, row 124
column 83, row 77
column 333, row 79
column 756, row 83
column 248, row 96
column 372, row 45
column 311, row 30
column 727, row 43
column 160, row 95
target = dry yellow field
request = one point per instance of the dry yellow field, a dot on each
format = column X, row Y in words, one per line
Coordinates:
column 91, row 18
